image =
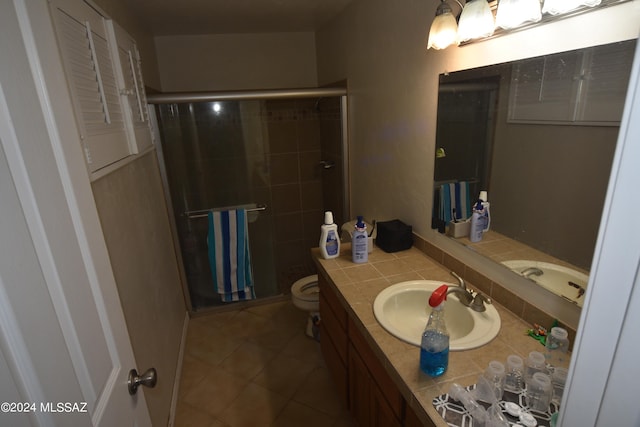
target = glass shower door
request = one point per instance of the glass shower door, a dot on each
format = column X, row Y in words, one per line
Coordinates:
column 216, row 156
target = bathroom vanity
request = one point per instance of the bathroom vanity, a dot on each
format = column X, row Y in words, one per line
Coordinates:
column 377, row 376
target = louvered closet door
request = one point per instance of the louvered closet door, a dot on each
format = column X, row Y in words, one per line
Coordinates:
column 132, row 89
column 84, row 43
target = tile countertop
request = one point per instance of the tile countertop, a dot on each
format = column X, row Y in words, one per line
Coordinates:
column 359, row 284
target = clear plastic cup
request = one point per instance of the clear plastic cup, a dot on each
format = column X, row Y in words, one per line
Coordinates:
column 477, row 411
column 535, row 363
column 558, row 379
column 490, row 385
column 557, row 347
column 514, row 377
column 539, row 392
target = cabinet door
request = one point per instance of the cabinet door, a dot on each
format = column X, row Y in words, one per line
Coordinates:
column 359, row 389
column 336, row 364
column 412, row 420
column 382, row 414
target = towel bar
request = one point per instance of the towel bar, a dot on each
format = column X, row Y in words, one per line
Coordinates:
column 205, row 212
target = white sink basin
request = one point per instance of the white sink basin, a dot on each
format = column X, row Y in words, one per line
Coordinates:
column 403, row 310
column 564, row 281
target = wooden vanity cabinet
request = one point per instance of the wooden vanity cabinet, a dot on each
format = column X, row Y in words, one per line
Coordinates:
column 374, row 399
column 333, row 338
column 362, row 382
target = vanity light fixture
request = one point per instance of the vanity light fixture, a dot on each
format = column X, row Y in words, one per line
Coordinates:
column 513, row 13
column 476, row 17
column 476, row 21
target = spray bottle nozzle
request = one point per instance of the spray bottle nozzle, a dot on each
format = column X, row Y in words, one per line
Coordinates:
column 438, row 296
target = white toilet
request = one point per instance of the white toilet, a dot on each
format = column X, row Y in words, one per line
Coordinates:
column 305, row 294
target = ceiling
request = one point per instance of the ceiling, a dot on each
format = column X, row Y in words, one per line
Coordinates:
column 172, row 17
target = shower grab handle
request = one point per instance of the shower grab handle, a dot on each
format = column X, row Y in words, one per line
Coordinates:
column 205, row 212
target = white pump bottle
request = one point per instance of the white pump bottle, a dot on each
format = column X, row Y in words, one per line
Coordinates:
column 329, row 239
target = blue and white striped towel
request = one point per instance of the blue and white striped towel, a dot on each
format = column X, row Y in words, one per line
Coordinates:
column 229, row 258
column 455, row 195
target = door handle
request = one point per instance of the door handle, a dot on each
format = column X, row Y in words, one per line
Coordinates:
column 148, row 379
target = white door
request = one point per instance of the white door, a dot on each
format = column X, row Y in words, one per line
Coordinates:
column 65, row 353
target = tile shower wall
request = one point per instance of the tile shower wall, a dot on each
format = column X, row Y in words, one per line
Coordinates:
column 302, row 133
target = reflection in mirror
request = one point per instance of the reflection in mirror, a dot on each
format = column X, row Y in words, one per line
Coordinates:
column 537, row 135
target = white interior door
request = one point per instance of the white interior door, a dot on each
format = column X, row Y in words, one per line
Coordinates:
column 65, row 353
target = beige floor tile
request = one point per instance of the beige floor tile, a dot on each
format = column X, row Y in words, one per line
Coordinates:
column 275, row 337
column 212, row 347
column 319, row 392
column 193, row 370
column 247, row 361
column 215, row 392
column 302, row 347
column 245, row 325
column 284, row 375
column 254, row 406
column 296, row 415
column 189, row 416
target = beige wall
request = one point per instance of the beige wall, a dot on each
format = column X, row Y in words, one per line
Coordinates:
column 120, row 12
column 380, row 48
column 219, row 62
column 133, row 215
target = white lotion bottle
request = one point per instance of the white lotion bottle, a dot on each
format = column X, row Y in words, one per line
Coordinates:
column 360, row 242
column 477, row 223
column 329, row 239
column 487, row 214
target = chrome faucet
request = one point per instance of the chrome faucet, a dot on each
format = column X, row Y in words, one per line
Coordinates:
column 531, row 271
column 478, row 303
column 460, row 280
column 466, row 297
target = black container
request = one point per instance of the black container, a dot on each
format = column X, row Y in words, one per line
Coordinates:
column 394, row 236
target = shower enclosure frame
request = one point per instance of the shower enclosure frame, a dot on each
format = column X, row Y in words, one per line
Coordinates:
column 176, row 98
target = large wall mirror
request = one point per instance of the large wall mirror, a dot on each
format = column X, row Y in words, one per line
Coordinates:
column 538, row 135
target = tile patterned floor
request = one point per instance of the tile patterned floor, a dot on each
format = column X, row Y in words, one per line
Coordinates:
column 256, row 367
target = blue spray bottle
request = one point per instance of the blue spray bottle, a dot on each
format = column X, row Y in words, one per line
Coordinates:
column 434, row 349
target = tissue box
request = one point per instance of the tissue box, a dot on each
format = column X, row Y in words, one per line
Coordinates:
column 459, row 229
column 394, row 236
